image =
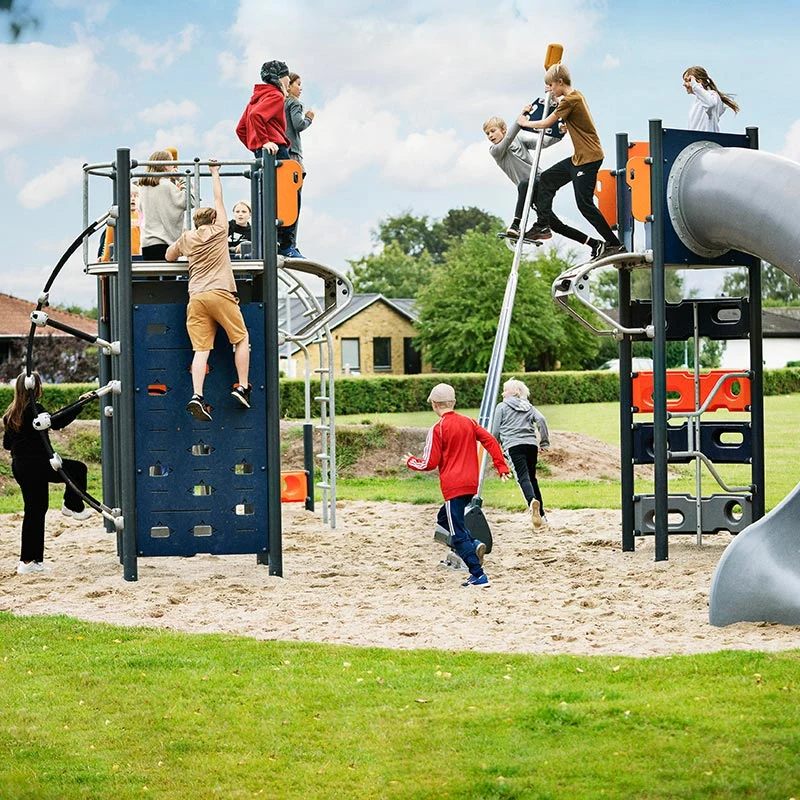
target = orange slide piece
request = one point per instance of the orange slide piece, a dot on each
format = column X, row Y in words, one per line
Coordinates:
column 734, row 394
column 294, row 486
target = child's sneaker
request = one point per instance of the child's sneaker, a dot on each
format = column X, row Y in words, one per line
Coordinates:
column 198, row 409
column 545, row 521
column 477, row 580
column 31, row 568
column 512, row 231
column 242, row 394
column 79, row 515
column 607, row 249
column 536, row 517
column 597, row 247
column 480, row 551
column 538, row 232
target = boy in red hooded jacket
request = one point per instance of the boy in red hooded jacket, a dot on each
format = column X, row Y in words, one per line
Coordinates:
column 262, row 128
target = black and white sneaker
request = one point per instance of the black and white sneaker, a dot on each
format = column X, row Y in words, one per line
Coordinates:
column 607, row 249
column 512, row 231
column 242, row 394
column 537, row 232
column 597, row 247
column 198, row 409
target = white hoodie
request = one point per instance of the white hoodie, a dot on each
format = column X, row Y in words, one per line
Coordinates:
column 707, row 109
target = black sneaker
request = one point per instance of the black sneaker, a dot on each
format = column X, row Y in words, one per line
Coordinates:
column 198, row 409
column 242, row 394
column 538, row 232
column 512, row 231
column 597, row 247
column 607, row 249
column 480, row 551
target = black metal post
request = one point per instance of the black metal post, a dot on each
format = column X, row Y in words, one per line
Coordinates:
column 660, row 475
column 126, row 422
column 257, row 212
column 271, row 368
column 757, row 368
column 308, row 462
column 625, row 233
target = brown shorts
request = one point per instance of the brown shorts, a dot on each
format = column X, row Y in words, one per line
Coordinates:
column 207, row 310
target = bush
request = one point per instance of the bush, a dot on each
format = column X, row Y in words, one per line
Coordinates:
column 56, row 396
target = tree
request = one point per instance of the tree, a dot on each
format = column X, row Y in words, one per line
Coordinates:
column 606, row 292
column 393, row 272
column 778, row 289
column 460, row 308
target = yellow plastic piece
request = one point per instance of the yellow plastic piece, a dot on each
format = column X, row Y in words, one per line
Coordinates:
column 554, row 54
column 637, row 174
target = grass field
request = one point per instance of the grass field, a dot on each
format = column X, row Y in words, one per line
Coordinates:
column 94, row 711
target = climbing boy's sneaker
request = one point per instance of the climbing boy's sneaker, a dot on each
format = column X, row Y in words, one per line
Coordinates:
column 480, row 551
column 290, row 252
column 512, row 231
column 198, row 409
column 597, row 247
column 477, row 580
column 537, row 232
column 607, row 249
column 242, row 394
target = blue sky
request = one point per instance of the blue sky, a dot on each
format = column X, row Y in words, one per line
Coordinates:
column 400, row 92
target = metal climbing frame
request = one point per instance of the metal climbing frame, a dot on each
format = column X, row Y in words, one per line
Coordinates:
column 147, row 442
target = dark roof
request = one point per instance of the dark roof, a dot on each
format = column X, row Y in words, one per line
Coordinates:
column 15, row 319
column 781, row 323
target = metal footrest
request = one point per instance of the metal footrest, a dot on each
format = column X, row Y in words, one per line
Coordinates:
column 719, row 512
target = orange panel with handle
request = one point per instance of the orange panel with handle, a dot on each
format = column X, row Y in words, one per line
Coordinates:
column 637, row 174
column 289, row 177
column 733, row 394
column 605, row 190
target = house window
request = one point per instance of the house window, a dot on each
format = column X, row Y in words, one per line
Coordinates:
column 382, row 354
column 351, row 356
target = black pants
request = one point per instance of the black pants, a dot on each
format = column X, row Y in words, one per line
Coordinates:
column 34, row 479
column 522, row 190
column 155, row 252
column 583, row 179
column 524, row 458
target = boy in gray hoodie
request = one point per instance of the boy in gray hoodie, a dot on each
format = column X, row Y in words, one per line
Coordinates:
column 514, row 426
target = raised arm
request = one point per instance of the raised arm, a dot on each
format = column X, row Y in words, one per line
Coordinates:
column 707, row 98
column 219, row 206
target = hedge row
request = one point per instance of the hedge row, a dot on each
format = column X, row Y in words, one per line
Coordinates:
column 367, row 395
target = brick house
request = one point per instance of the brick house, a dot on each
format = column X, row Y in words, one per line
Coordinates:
column 56, row 355
column 373, row 335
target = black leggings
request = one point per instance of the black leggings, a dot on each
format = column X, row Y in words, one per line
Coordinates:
column 583, row 179
column 34, row 479
column 524, row 457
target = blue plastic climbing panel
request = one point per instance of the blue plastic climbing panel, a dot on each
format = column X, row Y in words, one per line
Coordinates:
column 200, row 486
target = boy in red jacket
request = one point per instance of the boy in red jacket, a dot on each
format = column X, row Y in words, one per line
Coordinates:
column 450, row 446
column 262, row 128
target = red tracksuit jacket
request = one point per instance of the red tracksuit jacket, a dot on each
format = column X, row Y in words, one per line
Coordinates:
column 450, row 446
column 264, row 119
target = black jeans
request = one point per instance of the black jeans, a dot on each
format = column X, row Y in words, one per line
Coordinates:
column 525, row 458
column 583, row 179
column 34, row 479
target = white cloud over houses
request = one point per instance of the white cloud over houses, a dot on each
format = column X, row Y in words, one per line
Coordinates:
column 53, row 184
column 38, row 108
column 791, row 144
column 158, row 55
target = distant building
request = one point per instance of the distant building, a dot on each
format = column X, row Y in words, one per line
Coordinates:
column 373, row 335
column 780, row 340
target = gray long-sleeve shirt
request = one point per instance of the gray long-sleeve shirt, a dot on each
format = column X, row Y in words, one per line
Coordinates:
column 515, row 422
column 296, row 123
column 513, row 154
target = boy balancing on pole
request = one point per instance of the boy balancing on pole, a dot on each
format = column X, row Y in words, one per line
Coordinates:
column 212, row 299
column 450, row 446
column 581, row 170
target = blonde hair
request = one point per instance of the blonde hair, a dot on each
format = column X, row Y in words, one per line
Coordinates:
column 204, row 216
column 246, row 205
column 444, row 403
column 703, row 78
column 495, row 122
column 159, row 155
column 516, row 388
column 16, row 409
column 558, row 72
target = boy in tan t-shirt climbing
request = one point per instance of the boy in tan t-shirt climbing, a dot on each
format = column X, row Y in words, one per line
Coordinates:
column 212, row 298
column 580, row 170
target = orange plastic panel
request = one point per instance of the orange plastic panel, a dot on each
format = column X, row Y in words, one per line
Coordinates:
column 638, row 149
column 637, row 174
column 289, row 177
column 605, row 190
column 294, row 486
column 734, row 394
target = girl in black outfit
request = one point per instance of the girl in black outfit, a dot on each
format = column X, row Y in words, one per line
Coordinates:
column 30, row 465
column 239, row 228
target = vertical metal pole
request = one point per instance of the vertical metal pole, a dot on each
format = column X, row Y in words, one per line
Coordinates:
column 271, row 368
column 693, row 428
column 256, row 222
column 126, row 421
column 107, row 456
column 757, row 369
column 658, row 205
column 625, row 233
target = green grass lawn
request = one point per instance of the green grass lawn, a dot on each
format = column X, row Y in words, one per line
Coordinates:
column 95, row 711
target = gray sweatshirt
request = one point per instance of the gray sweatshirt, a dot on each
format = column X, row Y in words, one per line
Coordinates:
column 296, row 123
column 515, row 422
column 513, row 154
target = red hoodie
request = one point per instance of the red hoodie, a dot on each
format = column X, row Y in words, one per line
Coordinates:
column 451, row 447
column 264, row 119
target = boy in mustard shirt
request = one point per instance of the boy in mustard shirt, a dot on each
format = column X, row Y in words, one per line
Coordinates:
column 580, row 170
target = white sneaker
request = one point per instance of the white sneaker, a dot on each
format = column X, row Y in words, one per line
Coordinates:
column 31, row 568
column 545, row 521
column 79, row 515
column 536, row 517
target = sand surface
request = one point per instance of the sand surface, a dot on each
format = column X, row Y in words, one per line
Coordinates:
column 376, row 581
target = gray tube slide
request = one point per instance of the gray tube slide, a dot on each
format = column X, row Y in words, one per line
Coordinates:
column 730, row 198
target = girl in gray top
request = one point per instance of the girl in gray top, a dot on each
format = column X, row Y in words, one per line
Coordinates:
column 514, row 426
column 297, row 120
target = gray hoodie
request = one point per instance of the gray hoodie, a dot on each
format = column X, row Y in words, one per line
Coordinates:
column 513, row 154
column 515, row 422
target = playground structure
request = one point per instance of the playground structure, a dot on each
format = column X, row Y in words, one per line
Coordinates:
column 706, row 200
column 174, row 486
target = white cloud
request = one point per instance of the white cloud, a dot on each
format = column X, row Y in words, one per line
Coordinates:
column 218, row 142
column 610, row 62
column 159, row 55
column 66, row 175
column 169, row 111
column 331, row 239
column 95, row 11
column 791, row 144
column 424, row 160
column 13, row 169
column 48, row 91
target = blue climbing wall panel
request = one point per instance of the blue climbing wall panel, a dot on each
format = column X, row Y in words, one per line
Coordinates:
column 200, row 486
